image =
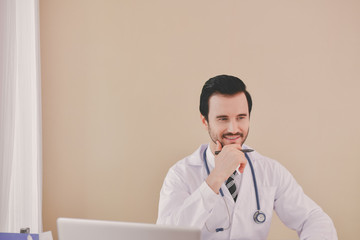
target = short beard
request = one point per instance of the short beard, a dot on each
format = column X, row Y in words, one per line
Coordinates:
column 214, row 138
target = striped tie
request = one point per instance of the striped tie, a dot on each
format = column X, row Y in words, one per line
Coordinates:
column 230, row 184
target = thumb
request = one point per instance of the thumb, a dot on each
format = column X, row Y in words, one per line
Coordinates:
column 218, row 147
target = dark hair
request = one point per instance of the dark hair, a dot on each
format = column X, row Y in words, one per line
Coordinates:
column 223, row 84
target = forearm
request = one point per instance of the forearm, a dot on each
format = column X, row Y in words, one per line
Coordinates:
column 299, row 212
column 179, row 208
column 318, row 226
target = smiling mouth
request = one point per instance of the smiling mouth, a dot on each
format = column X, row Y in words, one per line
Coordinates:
column 232, row 136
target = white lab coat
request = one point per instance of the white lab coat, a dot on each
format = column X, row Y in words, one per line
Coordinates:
column 187, row 200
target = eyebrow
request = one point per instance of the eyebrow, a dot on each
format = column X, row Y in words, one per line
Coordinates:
column 225, row 116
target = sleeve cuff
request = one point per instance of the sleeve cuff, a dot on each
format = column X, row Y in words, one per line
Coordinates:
column 208, row 196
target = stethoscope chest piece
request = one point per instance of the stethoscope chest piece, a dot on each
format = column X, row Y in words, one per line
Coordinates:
column 259, row 217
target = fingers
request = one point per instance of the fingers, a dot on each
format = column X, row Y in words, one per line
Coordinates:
column 239, row 155
column 242, row 167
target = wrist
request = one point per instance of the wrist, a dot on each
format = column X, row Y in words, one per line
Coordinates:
column 214, row 182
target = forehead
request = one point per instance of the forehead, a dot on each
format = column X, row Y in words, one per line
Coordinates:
column 220, row 104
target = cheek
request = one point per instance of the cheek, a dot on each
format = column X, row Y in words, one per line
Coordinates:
column 212, row 128
column 245, row 125
column 218, row 130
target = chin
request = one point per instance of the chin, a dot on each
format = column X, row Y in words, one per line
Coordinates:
column 227, row 142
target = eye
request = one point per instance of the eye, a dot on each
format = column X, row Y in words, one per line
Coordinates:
column 222, row 119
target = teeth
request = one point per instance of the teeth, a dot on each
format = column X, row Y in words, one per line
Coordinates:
column 232, row 138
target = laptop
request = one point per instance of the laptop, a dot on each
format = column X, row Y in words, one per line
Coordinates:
column 85, row 229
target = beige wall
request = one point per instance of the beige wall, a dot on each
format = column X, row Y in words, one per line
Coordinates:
column 121, row 83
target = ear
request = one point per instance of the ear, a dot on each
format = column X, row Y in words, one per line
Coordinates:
column 203, row 120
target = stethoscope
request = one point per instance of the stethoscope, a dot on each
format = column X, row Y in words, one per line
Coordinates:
column 259, row 216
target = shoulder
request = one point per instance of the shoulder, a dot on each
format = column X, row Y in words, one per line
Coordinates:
column 195, row 159
column 189, row 169
column 269, row 170
column 262, row 161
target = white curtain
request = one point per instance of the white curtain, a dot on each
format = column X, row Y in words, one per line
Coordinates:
column 20, row 117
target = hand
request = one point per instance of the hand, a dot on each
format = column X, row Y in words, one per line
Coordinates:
column 226, row 162
column 229, row 158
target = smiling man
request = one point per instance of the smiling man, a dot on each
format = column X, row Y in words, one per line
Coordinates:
column 227, row 189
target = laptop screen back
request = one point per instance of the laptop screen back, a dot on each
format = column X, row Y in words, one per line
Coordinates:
column 78, row 229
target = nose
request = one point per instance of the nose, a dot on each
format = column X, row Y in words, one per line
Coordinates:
column 232, row 127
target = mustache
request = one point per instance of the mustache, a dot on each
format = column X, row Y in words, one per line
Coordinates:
column 233, row 135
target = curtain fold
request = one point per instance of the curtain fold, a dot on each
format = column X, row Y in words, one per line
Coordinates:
column 20, row 117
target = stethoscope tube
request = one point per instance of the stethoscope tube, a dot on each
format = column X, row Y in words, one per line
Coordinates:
column 254, row 180
column 259, row 216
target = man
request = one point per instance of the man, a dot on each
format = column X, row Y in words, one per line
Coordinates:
column 228, row 190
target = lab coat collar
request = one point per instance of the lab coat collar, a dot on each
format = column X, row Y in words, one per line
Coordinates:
column 210, row 158
column 196, row 159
